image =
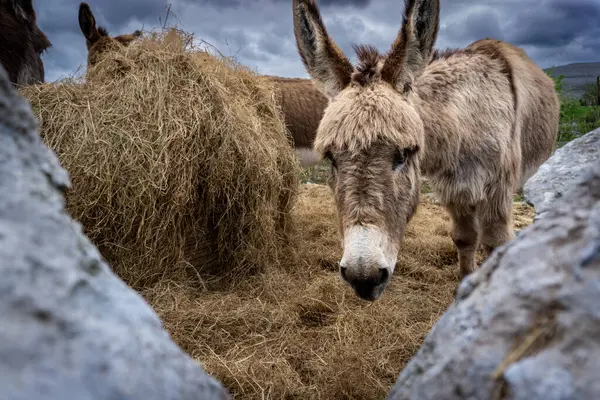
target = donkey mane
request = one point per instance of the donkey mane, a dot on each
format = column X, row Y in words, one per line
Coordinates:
column 366, row 68
column 368, row 58
column 444, row 54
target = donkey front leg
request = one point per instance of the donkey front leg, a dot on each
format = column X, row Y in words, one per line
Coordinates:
column 465, row 235
column 495, row 218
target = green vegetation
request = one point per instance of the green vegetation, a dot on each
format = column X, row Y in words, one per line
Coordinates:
column 318, row 173
column 578, row 116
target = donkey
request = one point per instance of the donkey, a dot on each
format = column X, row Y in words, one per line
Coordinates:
column 301, row 102
column 97, row 39
column 22, row 42
column 303, row 106
column 477, row 122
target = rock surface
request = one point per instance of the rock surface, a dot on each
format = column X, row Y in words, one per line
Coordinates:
column 555, row 177
column 70, row 329
column 526, row 325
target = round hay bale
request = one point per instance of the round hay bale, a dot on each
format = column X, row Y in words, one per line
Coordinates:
column 177, row 158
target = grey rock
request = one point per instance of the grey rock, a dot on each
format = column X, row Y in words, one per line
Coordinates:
column 70, row 329
column 555, row 177
column 526, row 325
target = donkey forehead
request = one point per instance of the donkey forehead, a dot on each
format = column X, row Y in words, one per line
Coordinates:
column 107, row 41
column 361, row 117
column 125, row 38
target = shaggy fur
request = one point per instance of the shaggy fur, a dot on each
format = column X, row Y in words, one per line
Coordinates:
column 21, row 42
column 478, row 122
column 302, row 105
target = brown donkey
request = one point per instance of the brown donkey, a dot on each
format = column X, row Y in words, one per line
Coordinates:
column 302, row 104
column 21, row 42
column 477, row 122
column 97, row 38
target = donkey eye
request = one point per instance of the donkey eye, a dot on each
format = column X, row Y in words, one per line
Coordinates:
column 399, row 159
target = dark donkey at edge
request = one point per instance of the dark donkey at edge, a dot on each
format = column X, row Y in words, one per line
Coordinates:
column 21, row 42
column 302, row 104
column 477, row 122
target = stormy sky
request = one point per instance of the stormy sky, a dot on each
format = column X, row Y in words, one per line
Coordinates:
column 259, row 32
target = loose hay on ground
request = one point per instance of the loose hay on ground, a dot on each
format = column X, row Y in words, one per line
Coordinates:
column 175, row 155
column 139, row 144
column 299, row 332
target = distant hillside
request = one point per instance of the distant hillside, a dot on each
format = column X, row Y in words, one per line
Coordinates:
column 577, row 75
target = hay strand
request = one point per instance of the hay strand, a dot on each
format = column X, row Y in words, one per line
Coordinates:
column 178, row 159
column 300, row 332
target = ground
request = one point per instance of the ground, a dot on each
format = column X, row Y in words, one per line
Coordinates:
column 297, row 331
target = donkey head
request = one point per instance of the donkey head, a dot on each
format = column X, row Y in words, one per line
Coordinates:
column 22, row 42
column 372, row 133
column 97, row 38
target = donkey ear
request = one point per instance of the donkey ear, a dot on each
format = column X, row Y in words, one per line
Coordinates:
column 329, row 68
column 413, row 47
column 24, row 8
column 24, row 4
column 87, row 24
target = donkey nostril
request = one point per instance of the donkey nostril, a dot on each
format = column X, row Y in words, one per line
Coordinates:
column 384, row 274
column 343, row 272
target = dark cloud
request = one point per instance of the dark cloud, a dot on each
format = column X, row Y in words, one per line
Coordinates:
column 558, row 24
column 325, row 3
column 61, row 15
column 476, row 24
column 260, row 33
column 117, row 13
column 239, row 3
column 355, row 3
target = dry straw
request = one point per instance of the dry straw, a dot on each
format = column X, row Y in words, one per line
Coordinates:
column 160, row 142
column 178, row 158
column 300, row 333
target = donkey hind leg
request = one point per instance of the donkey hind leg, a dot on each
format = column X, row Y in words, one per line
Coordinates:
column 465, row 235
column 495, row 217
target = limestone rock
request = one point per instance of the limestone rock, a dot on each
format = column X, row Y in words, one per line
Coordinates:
column 70, row 329
column 526, row 325
column 555, row 177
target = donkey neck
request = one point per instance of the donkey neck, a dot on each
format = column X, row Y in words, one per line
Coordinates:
column 459, row 99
